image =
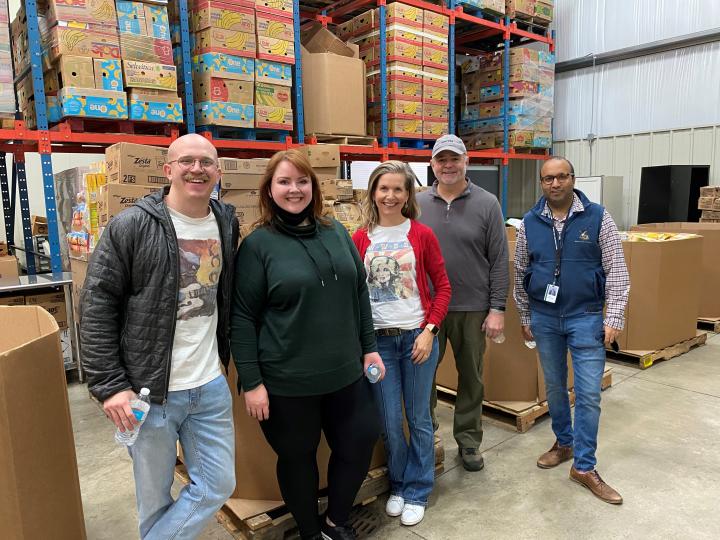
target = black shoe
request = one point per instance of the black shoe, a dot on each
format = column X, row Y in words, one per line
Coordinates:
column 472, row 460
column 339, row 532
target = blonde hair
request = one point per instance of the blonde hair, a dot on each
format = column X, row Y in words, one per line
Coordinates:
column 410, row 210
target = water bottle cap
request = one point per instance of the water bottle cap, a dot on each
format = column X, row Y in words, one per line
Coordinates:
column 144, row 391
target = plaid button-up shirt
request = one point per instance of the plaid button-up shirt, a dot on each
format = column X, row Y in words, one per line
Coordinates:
column 617, row 279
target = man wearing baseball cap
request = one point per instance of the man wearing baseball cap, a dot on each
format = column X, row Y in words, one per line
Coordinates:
column 468, row 223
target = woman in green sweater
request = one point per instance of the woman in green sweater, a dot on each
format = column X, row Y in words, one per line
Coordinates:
column 302, row 337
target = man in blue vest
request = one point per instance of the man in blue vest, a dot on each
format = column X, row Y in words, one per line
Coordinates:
column 569, row 265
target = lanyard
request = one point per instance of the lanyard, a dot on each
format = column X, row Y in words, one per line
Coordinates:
column 558, row 239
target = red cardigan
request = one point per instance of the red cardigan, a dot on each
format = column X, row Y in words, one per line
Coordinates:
column 428, row 262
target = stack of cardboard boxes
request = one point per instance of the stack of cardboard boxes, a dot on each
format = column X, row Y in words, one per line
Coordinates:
column 530, row 107
column 8, row 263
column 417, row 76
column 493, row 7
column 7, row 89
column 709, row 203
column 539, row 11
column 240, row 182
column 242, row 62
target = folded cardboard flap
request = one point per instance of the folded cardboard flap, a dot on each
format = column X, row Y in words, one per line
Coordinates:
column 316, row 39
column 28, row 323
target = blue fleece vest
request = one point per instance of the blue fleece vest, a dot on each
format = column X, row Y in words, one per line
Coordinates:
column 582, row 278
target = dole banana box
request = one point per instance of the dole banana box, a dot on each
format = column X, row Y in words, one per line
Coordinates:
column 276, row 50
column 276, row 7
column 435, row 112
column 280, row 118
column 433, row 130
column 149, row 75
column 108, row 74
column 146, row 49
column 217, row 40
column 224, row 15
column 82, row 42
column 214, row 113
column 395, row 31
column 274, row 26
column 400, row 88
column 404, row 14
column 158, row 24
column 155, row 108
column 344, row 31
column 436, row 23
column 403, row 128
column 208, row 88
column 439, row 94
column 131, row 18
column 226, row 66
column 398, row 109
column 272, row 95
column 365, row 22
column 434, row 55
column 273, row 73
column 82, row 11
column 93, row 103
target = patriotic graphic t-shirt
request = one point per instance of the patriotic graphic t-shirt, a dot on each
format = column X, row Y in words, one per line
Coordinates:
column 391, row 278
column 195, row 359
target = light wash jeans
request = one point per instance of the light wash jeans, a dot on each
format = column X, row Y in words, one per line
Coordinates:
column 202, row 419
column 583, row 335
column 411, row 466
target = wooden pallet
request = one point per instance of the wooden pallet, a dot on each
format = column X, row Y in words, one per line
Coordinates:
column 709, row 324
column 645, row 359
column 354, row 140
column 105, row 125
column 522, row 414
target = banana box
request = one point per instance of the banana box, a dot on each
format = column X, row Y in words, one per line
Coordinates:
column 155, row 108
column 400, row 88
column 402, row 128
column 517, row 90
column 213, row 113
column 435, row 112
column 544, row 11
column 522, row 55
column 146, row 49
column 520, row 138
column 433, row 130
column 93, row 103
column 395, row 31
column 208, row 88
column 435, row 56
column 276, row 7
column 149, row 75
column 344, row 31
column 108, row 74
column 272, row 95
column 274, row 26
column 276, row 50
column 405, row 14
column 482, row 141
column 436, row 23
column 280, row 118
column 365, row 22
column 131, row 17
column 226, row 66
column 82, row 42
column 82, row 11
column 217, row 40
column 273, row 73
column 397, row 108
column 224, row 15
column 158, row 24
column 77, row 71
column 435, row 93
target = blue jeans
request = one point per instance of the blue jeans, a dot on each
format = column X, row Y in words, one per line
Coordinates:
column 411, row 466
column 583, row 335
column 202, row 419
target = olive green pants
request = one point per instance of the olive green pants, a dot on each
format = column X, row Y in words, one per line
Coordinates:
column 464, row 331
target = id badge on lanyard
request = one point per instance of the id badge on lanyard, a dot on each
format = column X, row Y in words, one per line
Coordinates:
column 553, row 289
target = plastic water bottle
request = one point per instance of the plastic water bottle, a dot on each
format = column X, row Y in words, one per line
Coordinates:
column 373, row 373
column 140, row 407
column 500, row 338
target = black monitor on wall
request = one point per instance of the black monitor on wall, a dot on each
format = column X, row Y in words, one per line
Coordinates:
column 671, row 192
column 485, row 176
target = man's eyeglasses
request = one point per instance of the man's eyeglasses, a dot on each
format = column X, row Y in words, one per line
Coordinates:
column 189, row 162
column 550, row 178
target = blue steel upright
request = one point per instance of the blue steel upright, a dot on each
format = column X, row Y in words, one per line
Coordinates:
column 506, row 104
column 299, row 102
column 187, row 66
column 383, row 78
column 451, row 70
column 7, row 204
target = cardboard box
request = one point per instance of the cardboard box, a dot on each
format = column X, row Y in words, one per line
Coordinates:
column 706, row 203
column 213, row 113
column 322, row 155
column 410, row 129
column 666, row 283
column 347, row 212
column 274, row 26
column 108, row 74
column 272, row 95
column 277, row 50
column 157, row 21
column 92, row 103
column 513, row 8
column 436, row 23
column 405, row 14
column 710, row 191
column 149, row 75
column 710, row 262
column 275, row 7
column 38, row 225
column 543, row 11
column 242, row 173
column 8, row 267
column 273, row 73
column 17, row 300
column 146, row 49
column 208, row 88
column 155, row 108
column 326, row 173
column 131, row 17
column 77, row 71
column 128, row 163
column 246, row 203
column 114, row 198
column 434, row 130
column 85, row 11
column 337, row 189
column 3, row 249
column 434, row 55
column 79, row 271
column 227, row 15
column 225, row 66
column 269, row 117
column 64, row 40
column 39, row 402
column 219, row 40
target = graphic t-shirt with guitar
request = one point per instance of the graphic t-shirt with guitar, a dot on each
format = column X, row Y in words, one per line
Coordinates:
column 195, row 358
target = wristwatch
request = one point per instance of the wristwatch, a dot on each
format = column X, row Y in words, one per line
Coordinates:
column 434, row 329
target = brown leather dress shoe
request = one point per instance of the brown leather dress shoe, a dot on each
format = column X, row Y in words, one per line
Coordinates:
column 597, row 485
column 555, row 456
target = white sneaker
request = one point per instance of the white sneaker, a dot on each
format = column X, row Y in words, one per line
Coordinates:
column 394, row 506
column 412, row 514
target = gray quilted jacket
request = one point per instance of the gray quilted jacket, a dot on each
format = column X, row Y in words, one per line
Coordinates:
column 128, row 303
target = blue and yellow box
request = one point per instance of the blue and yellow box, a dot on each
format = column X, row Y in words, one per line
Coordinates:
column 54, row 114
column 158, row 24
column 213, row 113
column 91, row 103
column 273, row 73
column 131, row 17
column 108, row 74
column 155, row 109
column 225, row 66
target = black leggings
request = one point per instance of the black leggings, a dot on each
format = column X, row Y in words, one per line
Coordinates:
column 349, row 419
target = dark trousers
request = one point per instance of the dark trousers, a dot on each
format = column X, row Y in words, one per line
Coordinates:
column 349, row 419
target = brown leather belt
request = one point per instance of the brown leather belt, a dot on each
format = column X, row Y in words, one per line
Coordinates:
column 390, row 331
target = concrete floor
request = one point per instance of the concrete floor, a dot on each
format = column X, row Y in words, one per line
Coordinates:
column 659, row 446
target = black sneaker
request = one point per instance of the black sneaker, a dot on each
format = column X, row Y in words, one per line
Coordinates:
column 339, row 532
column 472, row 460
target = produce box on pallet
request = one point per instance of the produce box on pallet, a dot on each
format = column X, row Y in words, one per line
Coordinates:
column 494, row 7
column 242, row 173
column 246, row 203
column 213, row 113
column 114, row 198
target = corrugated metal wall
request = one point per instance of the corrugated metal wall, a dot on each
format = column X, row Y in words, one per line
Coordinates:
column 626, row 155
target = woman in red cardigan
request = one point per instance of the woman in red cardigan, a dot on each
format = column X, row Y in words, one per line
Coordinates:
column 399, row 255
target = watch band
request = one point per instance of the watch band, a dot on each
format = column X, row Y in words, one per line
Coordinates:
column 434, row 329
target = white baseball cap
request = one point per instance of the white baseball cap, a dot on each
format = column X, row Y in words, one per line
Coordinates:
column 449, row 142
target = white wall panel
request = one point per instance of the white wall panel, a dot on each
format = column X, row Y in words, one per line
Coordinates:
column 681, row 147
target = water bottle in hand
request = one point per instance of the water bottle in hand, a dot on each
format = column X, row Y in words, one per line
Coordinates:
column 500, row 338
column 373, row 373
column 140, row 407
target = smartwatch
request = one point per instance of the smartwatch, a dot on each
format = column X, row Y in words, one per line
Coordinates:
column 434, row 329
